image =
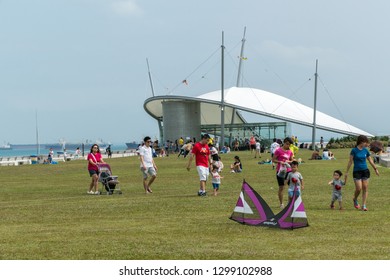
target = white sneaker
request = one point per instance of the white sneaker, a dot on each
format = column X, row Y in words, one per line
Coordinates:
column 281, row 206
column 90, row 192
column 97, row 192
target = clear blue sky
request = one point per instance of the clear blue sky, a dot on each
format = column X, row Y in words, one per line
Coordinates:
column 81, row 64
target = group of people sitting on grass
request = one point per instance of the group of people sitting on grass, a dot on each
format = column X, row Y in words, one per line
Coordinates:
column 326, row 155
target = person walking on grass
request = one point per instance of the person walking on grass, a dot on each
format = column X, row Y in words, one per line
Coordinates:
column 108, row 151
column 283, row 156
column 50, row 156
column 295, row 181
column 252, row 144
column 258, row 148
column 216, row 179
column 274, row 146
column 361, row 174
column 337, row 184
column 201, row 153
column 94, row 158
column 148, row 167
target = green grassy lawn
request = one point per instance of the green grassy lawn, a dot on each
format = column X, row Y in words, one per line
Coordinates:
column 47, row 214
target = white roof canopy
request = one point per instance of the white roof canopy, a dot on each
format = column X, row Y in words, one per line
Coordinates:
column 258, row 102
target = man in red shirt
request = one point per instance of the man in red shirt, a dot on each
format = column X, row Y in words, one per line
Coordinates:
column 201, row 152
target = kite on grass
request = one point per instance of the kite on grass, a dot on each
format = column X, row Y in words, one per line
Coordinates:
column 251, row 209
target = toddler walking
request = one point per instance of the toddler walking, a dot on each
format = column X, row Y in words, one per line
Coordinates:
column 295, row 181
column 216, row 179
column 337, row 184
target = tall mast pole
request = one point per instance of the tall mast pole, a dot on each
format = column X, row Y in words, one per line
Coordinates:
column 150, row 77
column 159, row 123
column 240, row 60
column 222, row 94
column 239, row 76
column 36, row 133
column 313, row 139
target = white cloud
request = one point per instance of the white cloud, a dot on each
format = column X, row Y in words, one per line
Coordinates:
column 125, row 7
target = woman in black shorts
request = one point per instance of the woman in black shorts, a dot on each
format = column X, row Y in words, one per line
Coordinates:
column 361, row 174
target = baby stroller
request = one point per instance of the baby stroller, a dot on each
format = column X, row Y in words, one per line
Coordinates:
column 108, row 180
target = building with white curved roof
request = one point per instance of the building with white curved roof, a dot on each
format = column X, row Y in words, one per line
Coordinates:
column 184, row 115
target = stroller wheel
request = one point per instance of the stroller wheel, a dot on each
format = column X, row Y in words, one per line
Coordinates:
column 119, row 192
column 110, row 193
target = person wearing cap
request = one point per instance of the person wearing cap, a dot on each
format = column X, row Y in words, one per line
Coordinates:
column 201, row 153
column 283, row 157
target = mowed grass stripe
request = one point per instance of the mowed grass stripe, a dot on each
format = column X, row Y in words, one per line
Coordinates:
column 46, row 214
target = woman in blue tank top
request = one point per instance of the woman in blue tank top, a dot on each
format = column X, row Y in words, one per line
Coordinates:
column 359, row 156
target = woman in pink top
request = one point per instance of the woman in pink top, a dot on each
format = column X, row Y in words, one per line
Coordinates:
column 94, row 158
column 283, row 156
column 252, row 143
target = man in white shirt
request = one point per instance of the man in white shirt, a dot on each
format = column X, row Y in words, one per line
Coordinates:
column 148, row 167
column 258, row 148
column 274, row 146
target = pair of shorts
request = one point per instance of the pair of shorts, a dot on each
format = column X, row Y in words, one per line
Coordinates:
column 337, row 196
column 291, row 193
column 149, row 171
column 281, row 179
column 203, row 173
column 363, row 175
column 215, row 186
column 93, row 172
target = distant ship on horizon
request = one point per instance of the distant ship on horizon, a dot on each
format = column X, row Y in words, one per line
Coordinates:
column 6, row 146
column 132, row 145
column 61, row 145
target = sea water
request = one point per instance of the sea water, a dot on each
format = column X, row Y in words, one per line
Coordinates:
column 32, row 150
